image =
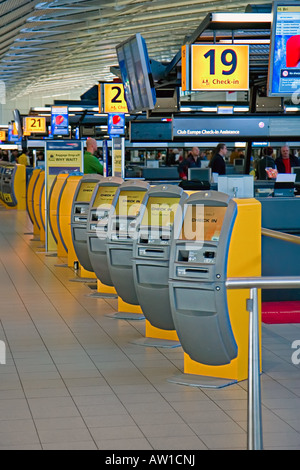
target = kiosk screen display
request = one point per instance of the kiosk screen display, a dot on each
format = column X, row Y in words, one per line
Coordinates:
column 129, row 203
column 85, row 192
column 160, row 212
column 202, row 223
column 284, row 67
column 104, row 197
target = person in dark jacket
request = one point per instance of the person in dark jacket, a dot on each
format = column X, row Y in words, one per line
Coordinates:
column 266, row 161
column 286, row 161
column 217, row 163
column 192, row 161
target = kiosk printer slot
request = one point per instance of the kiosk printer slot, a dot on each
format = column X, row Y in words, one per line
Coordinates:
column 218, row 237
column 97, row 226
column 79, row 217
column 152, row 254
column 123, row 226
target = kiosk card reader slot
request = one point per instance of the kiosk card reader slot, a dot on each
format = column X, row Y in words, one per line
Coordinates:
column 152, row 254
column 123, row 227
column 97, row 226
column 198, row 269
column 79, row 218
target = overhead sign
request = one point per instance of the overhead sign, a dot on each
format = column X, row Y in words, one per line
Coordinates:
column 220, row 128
column 284, row 67
column 35, row 124
column 215, row 67
column 2, row 135
column 59, row 120
column 116, row 124
column 111, row 98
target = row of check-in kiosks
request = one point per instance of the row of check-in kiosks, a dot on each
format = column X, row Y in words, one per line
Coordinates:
column 13, row 185
column 166, row 254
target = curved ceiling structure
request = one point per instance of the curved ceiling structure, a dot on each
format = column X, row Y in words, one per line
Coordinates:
column 70, row 44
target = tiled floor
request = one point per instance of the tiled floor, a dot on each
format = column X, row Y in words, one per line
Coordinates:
column 73, row 379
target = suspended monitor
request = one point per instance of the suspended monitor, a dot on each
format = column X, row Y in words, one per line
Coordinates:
column 136, row 74
column 18, row 122
column 284, row 59
column 296, row 169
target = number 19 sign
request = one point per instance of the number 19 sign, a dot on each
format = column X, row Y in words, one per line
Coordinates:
column 219, row 67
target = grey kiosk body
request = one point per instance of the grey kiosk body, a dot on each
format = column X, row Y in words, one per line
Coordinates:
column 80, row 208
column 100, row 206
column 198, row 268
column 123, row 228
column 152, row 254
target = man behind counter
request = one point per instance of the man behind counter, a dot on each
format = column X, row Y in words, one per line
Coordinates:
column 91, row 163
column 286, row 161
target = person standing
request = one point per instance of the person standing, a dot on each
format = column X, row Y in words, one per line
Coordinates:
column 91, row 163
column 23, row 159
column 286, row 161
column 217, row 163
column 192, row 161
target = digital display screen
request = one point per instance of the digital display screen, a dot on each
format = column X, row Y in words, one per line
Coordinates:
column 129, row 203
column 104, row 196
column 284, row 67
column 160, row 212
column 136, row 74
column 202, row 223
column 85, row 192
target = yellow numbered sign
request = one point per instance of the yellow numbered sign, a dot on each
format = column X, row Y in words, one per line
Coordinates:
column 114, row 100
column 219, row 67
column 35, row 124
column 2, row 135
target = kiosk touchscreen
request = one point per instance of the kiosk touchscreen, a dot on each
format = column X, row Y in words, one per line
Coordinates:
column 79, row 217
column 152, row 254
column 123, row 228
column 97, row 226
column 218, row 237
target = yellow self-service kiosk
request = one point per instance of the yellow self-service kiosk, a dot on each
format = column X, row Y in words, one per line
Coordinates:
column 217, row 238
column 64, row 215
column 37, row 200
column 13, row 186
column 53, row 204
column 29, row 198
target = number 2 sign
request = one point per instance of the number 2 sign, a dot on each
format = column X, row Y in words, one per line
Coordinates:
column 219, row 67
column 114, row 100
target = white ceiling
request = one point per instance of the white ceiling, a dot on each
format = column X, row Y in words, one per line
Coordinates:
column 70, row 44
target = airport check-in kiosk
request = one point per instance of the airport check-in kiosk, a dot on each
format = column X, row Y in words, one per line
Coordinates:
column 13, row 186
column 79, row 217
column 217, row 238
column 152, row 254
column 29, row 198
column 65, row 202
column 123, row 226
column 37, row 201
column 97, row 230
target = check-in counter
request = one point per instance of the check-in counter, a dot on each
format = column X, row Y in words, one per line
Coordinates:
column 79, row 217
column 279, row 257
column 97, row 229
column 13, row 186
column 152, row 254
column 217, row 238
column 123, row 226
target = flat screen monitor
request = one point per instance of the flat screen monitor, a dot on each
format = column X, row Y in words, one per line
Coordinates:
column 199, row 174
column 202, row 223
column 136, row 74
column 104, row 197
column 296, row 169
column 85, row 191
column 18, row 122
column 237, row 186
column 160, row 211
column 239, row 162
column 129, row 203
column 284, row 59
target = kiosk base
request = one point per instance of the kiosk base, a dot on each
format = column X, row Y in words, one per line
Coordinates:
column 104, row 292
column 158, row 338
column 201, row 381
column 156, row 343
column 127, row 311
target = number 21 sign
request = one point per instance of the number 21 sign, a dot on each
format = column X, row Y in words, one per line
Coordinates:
column 219, row 67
